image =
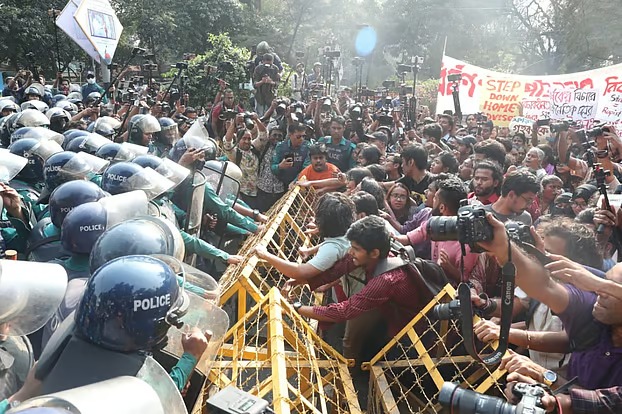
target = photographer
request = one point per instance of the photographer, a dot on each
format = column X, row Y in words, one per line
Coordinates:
column 291, row 155
column 247, row 153
column 447, row 253
column 226, row 109
column 265, row 80
column 597, row 365
column 518, row 192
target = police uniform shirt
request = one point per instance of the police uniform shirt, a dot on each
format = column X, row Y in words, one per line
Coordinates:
column 339, row 154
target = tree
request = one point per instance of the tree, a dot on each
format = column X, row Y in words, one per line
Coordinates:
column 27, row 37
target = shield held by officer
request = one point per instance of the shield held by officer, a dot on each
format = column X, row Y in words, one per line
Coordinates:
column 224, row 178
column 27, row 299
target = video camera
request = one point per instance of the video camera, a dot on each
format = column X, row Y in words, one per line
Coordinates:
column 467, row 401
column 181, row 65
column 332, row 54
column 356, row 112
column 590, row 134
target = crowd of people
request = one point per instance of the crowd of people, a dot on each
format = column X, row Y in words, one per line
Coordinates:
column 96, row 186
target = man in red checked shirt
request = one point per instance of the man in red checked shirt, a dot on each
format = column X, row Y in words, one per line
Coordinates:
column 396, row 293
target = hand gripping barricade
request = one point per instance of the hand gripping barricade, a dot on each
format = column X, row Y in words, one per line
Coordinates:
column 121, row 395
column 27, row 301
column 10, row 165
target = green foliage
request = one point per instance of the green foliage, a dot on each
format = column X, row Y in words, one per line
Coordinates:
column 219, row 48
column 27, row 27
column 427, row 92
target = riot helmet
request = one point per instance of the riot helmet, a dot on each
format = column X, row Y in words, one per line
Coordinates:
column 105, row 126
column 7, row 107
column 71, row 134
column 141, row 128
column 169, row 133
column 37, row 152
column 68, row 166
column 58, row 119
column 187, row 142
column 58, row 97
column 163, row 166
column 33, row 92
column 86, row 222
column 30, row 118
column 126, row 176
column 115, row 152
column 7, row 127
column 129, row 304
column 92, row 98
column 70, row 195
column 67, row 106
column 146, row 235
column 36, row 105
column 10, row 165
column 27, row 299
column 88, row 143
column 38, row 133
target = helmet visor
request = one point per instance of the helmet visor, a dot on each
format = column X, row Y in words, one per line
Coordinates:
column 28, row 300
column 108, row 121
column 41, row 133
column 124, row 206
column 226, row 187
column 83, row 164
column 151, row 182
column 46, row 149
column 198, row 129
column 10, row 165
column 92, row 142
column 173, row 171
column 195, row 213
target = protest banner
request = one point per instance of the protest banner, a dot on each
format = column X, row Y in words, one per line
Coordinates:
column 100, row 24
column 67, row 24
column 577, row 105
column 503, row 96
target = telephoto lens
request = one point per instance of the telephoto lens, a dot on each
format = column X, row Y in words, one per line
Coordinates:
column 442, row 228
column 464, row 401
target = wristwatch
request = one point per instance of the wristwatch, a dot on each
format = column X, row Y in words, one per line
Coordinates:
column 297, row 306
column 549, row 377
column 255, row 214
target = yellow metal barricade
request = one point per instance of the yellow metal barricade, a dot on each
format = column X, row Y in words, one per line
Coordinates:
column 250, row 281
column 408, row 373
column 273, row 353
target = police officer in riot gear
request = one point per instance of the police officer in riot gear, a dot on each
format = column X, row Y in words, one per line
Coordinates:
column 58, row 119
column 127, row 308
column 165, row 138
column 44, row 242
column 123, row 152
column 68, row 166
column 29, row 181
column 15, row 216
column 141, row 129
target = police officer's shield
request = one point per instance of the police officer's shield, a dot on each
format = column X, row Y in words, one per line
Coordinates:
column 121, row 395
column 195, row 208
column 206, row 316
column 224, row 186
column 29, row 295
column 83, row 164
column 10, row 165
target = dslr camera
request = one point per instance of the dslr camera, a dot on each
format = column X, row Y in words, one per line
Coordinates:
column 248, row 120
column 356, row 112
column 281, row 107
column 467, row 401
column 519, row 232
column 181, row 65
column 470, row 227
column 557, row 127
column 227, row 114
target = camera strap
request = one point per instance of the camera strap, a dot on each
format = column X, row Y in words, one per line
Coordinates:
column 508, row 273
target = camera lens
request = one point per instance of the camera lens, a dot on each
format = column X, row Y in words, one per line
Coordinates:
column 467, row 401
column 441, row 312
column 443, row 228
